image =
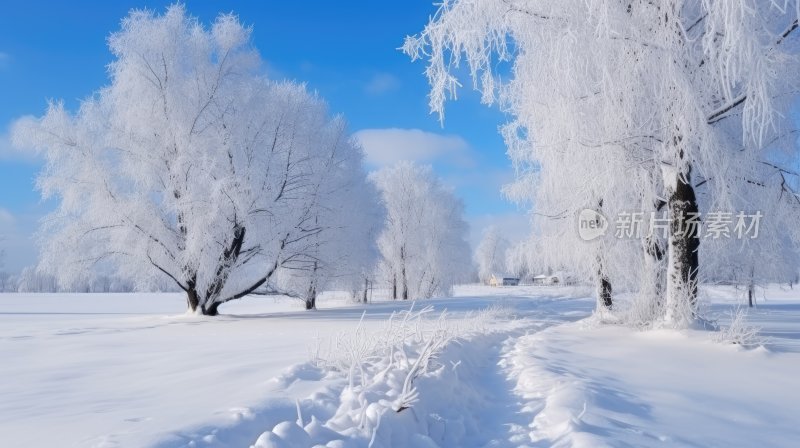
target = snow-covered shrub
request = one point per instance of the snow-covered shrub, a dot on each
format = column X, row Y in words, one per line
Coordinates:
column 643, row 312
column 388, row 398
column 739, row 332
column 409, row 340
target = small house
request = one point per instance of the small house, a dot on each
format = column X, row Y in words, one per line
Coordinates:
column 496, row 280
column 510, row 281
column 539, row 280
column 546, row 280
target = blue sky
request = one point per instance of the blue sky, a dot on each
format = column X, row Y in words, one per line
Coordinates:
column 347, row 51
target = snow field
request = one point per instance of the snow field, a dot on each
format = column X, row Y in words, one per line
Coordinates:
column 501, row 367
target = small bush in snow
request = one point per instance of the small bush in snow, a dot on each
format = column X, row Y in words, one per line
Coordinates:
column 385, row 366
column 739, row 332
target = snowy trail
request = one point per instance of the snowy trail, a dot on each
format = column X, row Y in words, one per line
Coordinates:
column 500, row 411
column 503, row 415
column 471, row 402
column 502, row 418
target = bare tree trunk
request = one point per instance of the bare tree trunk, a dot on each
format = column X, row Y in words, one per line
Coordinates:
column 311, row 295
column 192, row 299
column 394, row 286
column 403, row 278
column 366, row 288
column 311, row 299
column 405, row 284
column 654, row 256
column 193, row 296
column 604, row 290
column 682, row 247
column 212, row 309
column 227, row 258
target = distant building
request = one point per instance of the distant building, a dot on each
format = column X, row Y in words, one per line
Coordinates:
column 496, row 280
column 539, row 279
column 510, row 281
column 546, row 280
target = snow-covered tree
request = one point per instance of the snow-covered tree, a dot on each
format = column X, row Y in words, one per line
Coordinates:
column 490, row 254
column 569, row 167
column 521, row 260
column 191, row 164
column 763, row 241
column 344, row 252
column 7, row 282
column 423, row 244
column 658, row 98
column 2, row 254
column 34, row 280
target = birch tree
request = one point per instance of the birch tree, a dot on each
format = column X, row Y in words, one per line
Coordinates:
column 490, row 254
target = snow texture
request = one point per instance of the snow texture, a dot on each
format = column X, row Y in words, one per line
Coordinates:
column 521, row 366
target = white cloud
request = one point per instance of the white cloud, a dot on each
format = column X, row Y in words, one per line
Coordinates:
column 382, row 83
column 385, row 147
column 9, row 153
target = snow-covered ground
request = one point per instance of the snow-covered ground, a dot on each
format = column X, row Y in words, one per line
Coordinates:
column 133, row 370
column 590, row 385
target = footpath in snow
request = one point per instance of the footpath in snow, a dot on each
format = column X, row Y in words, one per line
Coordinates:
column 425, row 379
